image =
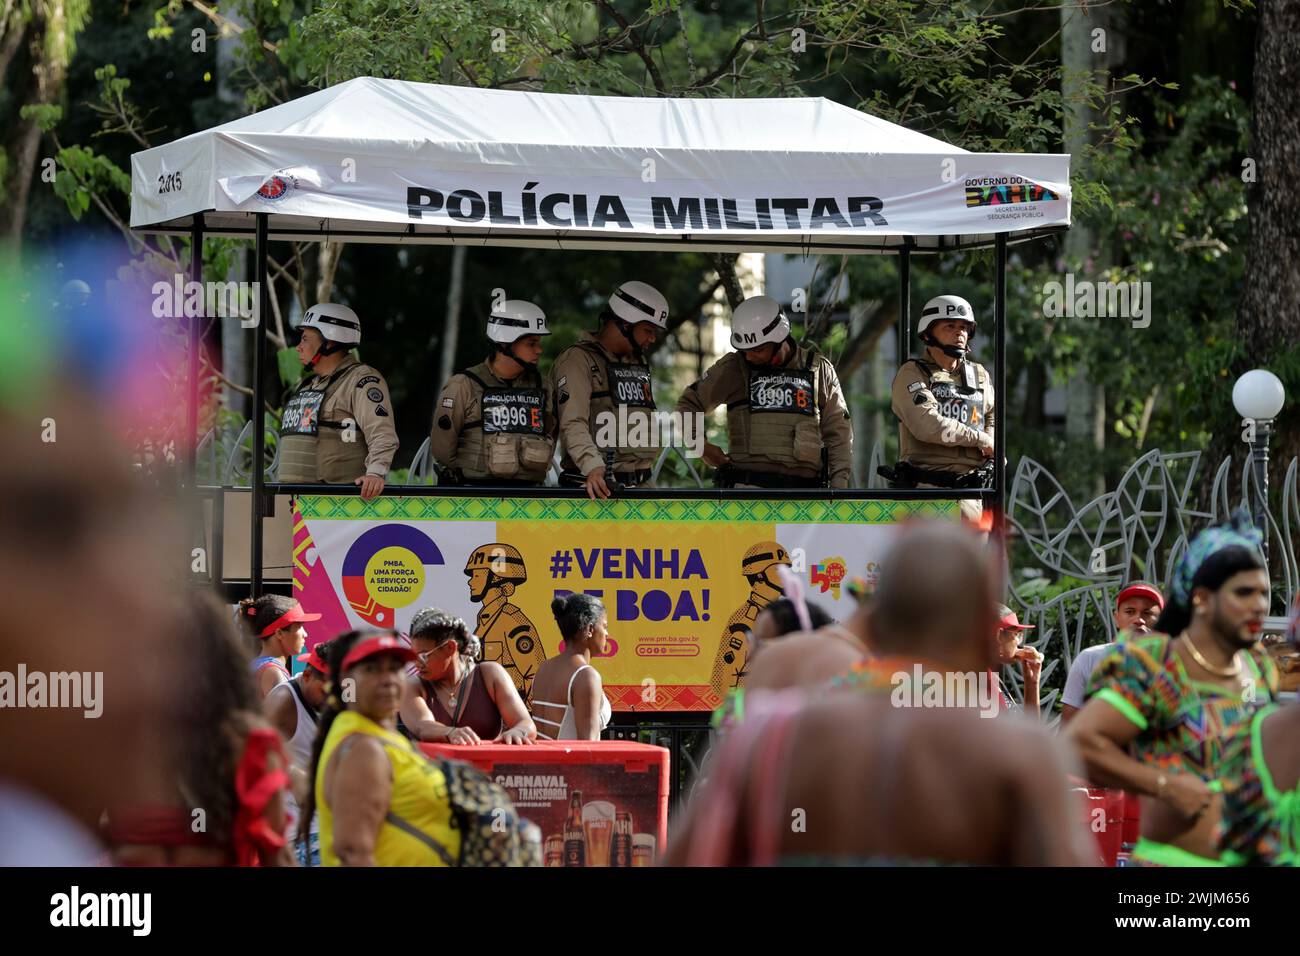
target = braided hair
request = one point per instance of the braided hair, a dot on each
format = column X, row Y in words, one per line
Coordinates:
column 435, row 624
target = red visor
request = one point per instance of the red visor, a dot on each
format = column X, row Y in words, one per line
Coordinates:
column 291, row 616
column 379, row 644
column 1009, row 620
column 312, row 659
column 1142, row 591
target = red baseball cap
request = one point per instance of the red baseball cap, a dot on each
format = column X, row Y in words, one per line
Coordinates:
column 313, row 659
column 1007, row 619
column 291, row 616
column 1143, row 590
column 373, row 646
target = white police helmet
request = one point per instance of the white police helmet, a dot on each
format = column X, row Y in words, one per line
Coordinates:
column 639, row 302
column 336, row 323
column 757, row 321
column 944, row 308
column 514, row 319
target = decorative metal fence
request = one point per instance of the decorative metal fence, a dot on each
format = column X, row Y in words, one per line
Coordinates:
column 1137, row 531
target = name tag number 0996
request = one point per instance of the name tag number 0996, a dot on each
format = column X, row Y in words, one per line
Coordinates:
column 777, row 397
column 960, row 410
column 505, row 416
column 630, row 392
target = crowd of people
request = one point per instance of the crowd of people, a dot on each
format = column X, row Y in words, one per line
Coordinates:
column 501, row 423
column 849, row 743
column 1181, row 710
column 857, row 741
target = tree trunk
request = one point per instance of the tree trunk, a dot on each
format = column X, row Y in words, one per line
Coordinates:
column 14, row 28
column 1085, row 409
column 50, row 44
column 451, row 326
column 725, row 264
column 1268, row 315
column 328, row 263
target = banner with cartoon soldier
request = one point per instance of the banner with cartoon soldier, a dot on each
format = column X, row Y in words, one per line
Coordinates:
column 682, row 580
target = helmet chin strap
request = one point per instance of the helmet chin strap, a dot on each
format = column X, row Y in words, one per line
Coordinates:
column 328, row 347
column 508, row 349
column 953, row 351
column 626, row 328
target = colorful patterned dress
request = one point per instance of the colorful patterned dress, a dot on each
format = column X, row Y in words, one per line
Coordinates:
column 1186, row 726
column 1261, row 825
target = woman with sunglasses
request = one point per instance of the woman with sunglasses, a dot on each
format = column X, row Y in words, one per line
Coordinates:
column 454, row 698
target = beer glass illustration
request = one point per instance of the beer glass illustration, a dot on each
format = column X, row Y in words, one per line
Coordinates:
column 643, row 849
column 554, row 850
column 598, row 827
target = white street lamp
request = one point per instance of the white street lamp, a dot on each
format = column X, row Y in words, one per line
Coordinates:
column 1258, row 396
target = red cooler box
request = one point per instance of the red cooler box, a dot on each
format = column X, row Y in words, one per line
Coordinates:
column 599, row 803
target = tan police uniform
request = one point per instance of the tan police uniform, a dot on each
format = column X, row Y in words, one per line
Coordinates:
column 316, row 442
column 488, row 429
column 780, row 419
column 600, row 395
column 943, row 419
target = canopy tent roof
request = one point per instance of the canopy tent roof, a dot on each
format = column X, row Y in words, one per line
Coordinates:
column 393, row 161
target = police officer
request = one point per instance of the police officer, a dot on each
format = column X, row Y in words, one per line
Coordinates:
column 509, row 637
column 495, row 423
column 337, row 426
column 945, row 408
column 787, row 421
column 603, row 387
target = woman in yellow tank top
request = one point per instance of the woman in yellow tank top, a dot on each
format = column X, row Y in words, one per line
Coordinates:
column 381, row 802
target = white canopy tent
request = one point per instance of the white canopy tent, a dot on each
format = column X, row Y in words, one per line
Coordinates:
column 391, row 161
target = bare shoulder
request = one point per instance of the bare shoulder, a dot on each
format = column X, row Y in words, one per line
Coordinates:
column 494, row 673
column 588, row 677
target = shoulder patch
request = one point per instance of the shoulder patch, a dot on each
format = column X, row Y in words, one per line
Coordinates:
column 564, row 380
column 918, row 400
column 368, row 380
column 448, row 403
column 915, row 387
column 381, row 411
column 444, row 423
column 375, row 395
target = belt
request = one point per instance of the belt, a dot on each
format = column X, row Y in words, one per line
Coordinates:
column 638, row 477
column 729, row 477
column 907, row 475
column 571, row 479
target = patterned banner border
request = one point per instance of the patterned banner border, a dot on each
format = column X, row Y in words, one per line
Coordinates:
column 751, row 511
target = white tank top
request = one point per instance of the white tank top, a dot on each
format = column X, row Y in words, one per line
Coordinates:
column 298, row 746
column 568, row 729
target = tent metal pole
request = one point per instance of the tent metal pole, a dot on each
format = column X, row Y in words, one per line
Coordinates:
column 1000, row 383
column 904, row 303
column 192, row 370
column 256, row 476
